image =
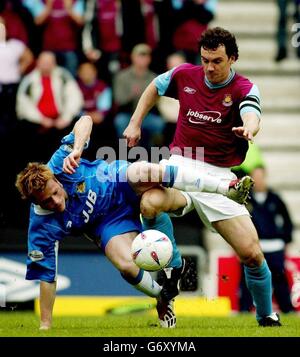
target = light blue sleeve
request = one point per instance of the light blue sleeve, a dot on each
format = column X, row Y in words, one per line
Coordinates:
column 248, row 106
column 36, row 7
column 162, row 81
column 211, row 5
column 56, row 162
column 177, row 4
column 78, row 7
column 104, row 100
column 43, row 233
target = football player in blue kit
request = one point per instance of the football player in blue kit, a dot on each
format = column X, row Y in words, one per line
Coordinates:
column 103, row 201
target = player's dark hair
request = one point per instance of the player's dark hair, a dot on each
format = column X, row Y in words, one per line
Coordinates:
column 211, row 39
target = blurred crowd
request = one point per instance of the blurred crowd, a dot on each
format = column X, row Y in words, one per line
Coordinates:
column 60, row 59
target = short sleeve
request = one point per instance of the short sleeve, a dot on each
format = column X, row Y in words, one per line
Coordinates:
column 44, row 234
column 56, row 162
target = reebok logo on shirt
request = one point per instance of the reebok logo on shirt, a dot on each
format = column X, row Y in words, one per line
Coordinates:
column 189, row 90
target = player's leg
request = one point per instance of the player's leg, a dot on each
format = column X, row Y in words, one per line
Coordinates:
column 143, row 175
column 159, row 199
column 232, row 221
column 163, row 223
column 241, row 234
column 153, row 220
column 118, row 250
column 154, row 204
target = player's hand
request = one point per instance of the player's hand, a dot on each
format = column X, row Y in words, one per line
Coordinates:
column 45, row 328
column 68, row 4
column 47, row 123
column 242, row 132
column 61, row 123
column 93, row 55
column 71, row 162
column 132, row 134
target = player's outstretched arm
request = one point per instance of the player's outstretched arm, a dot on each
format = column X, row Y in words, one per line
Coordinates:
column 82, row 131
column 250, row 127
column 47, row 298
column 148, row 99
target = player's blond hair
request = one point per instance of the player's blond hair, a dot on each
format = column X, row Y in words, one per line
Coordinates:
column 32, row 179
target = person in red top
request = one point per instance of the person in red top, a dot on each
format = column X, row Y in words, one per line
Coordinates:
column 219, row 114
column 96, row 93
column 60, row 22
column 101, row 35
column 97, row 96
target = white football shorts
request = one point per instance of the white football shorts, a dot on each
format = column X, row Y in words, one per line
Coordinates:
column 211, row 207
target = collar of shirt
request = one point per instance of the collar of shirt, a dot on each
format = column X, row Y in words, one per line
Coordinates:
column 222, row 84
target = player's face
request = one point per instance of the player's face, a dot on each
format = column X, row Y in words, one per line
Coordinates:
column 216, row 64
column 53, row 198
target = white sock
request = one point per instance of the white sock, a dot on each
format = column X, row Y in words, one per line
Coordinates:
column 148, row 286
column 190, row 180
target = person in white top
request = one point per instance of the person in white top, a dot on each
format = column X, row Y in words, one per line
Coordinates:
column 15, row 59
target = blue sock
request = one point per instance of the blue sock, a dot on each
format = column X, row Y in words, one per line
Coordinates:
column 163, row 223
column 259, row 283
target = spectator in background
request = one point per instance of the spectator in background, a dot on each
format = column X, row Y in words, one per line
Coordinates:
column 252, row 160
column 97, row 104
column 113, row 28
column 190, row 18
column 129, row 85
column 281, row 37
column 193, row 18
column 48, row 100
column 274, row 226
column 139, row 20
column 101, row 40
column 15, row 59
column 60, row 21
column 169, row 107
column 18, row 20
column 96, row 93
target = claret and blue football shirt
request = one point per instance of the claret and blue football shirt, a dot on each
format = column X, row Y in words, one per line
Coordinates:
column 208, row 112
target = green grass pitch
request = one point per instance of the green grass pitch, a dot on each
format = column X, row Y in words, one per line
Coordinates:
column 25, row 324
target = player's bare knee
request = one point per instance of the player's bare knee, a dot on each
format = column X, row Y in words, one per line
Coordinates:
column 151, row 203
column 253, row 257
column 127, row 268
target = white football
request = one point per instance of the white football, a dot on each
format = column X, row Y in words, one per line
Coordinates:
column 151, row 250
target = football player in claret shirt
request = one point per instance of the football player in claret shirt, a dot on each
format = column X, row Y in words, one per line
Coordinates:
column 102, row 200
column 219, row 112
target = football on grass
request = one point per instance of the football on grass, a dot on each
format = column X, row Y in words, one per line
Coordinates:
column 151, row 250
